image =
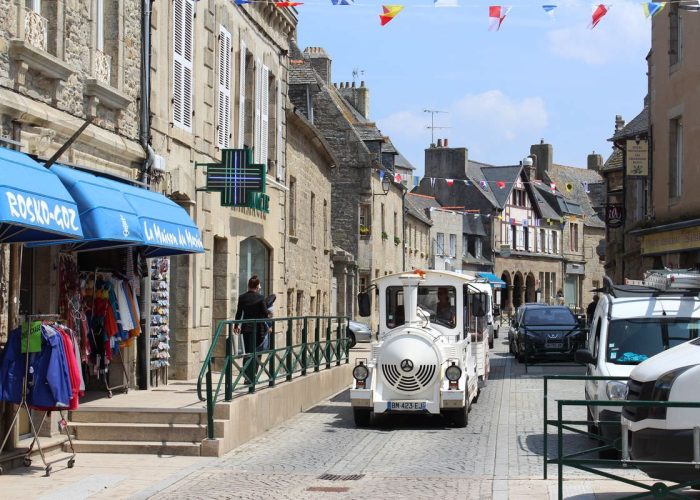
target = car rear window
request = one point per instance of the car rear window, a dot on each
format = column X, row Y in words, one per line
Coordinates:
column 549, row 316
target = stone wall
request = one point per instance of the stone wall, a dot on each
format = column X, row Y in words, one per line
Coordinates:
column 307, row 259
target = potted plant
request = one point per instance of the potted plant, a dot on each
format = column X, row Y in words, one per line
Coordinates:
column 384, row 235
column 397, row 241
column 364, row 230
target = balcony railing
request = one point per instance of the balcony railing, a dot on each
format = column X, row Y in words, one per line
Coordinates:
column 103, row 67
column 35, row 29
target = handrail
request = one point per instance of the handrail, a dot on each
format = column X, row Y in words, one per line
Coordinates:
column 252, row 366
column 588, row 464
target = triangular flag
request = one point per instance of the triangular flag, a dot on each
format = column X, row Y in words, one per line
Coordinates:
column 500, row 184
column 553, row 187
column 242, row 2
column 524, row 222
column 569, row 187
column 549, row 221
column 450, row 181
column 284, row 5
column 497, row 13
column 390, row 12
column 598, row 12
column 585, row 187
column 381, row 175
column 483, row 184
column 397, row 178
column 549, row 10
column 653, row 8
column 342, row 2
column 445, row 3
column 500, row 217
column 512, row 221
column 432, row 182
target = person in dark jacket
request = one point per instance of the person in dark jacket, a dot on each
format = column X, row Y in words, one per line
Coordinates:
column 251, row 305
column 590, row 310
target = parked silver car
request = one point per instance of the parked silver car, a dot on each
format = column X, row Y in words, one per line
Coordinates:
column 359, row 332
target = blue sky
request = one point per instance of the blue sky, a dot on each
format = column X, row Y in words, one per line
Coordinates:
column 536, row 78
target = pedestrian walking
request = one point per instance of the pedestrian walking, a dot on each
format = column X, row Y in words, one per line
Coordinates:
column 251, row 305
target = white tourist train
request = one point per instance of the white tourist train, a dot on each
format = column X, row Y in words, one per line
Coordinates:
column 432, row 330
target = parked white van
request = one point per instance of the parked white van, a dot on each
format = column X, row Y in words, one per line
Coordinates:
column 631, row 324
column 666, row 434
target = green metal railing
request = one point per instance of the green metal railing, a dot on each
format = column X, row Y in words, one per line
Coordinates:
column 247, row 371
column 658, row 489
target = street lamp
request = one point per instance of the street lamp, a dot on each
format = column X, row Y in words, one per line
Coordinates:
column 386, row 183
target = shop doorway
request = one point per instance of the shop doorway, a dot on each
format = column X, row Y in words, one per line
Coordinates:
column 254, row 259
column 517, row 290
column 530, row 288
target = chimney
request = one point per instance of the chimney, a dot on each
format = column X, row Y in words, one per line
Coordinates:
column 530, row 166
column 543, row 155
column 619, row 123
column 358, row 97
column 320, row 62
column 445, row 142
column 439, row 143
column 595, row 161
column 449, row 163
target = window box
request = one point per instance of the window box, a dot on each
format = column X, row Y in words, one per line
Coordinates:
column 397, row 240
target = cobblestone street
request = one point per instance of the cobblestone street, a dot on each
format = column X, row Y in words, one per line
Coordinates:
column 320, row 453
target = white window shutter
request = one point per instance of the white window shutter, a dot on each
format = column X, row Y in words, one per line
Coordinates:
column 256, row 121
column 279, row 145
column 183, row 39
column 241, row 97
column 264, row 113
column 223, row 108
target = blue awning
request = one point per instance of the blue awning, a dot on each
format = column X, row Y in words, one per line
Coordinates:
column 108, row 219
column 34, row 204
column 495, row 281
column 115, row 214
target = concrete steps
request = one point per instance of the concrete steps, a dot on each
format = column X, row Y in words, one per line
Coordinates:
column 153, row 431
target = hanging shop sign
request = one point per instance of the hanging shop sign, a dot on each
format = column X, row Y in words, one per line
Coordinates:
column 240, row 182
column 637, row 158
column 614, row 216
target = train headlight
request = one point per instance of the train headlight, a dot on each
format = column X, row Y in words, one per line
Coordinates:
column 453, row 372
column 360, row 373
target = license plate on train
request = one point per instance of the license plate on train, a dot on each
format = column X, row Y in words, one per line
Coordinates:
column 406, row 405
column 554, row 345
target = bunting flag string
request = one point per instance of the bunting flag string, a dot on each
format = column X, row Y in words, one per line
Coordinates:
column 496, row 13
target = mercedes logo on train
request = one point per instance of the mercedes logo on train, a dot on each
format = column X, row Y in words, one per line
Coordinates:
column 406, row 365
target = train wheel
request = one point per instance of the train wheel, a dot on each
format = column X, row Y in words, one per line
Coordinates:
column 362, row 417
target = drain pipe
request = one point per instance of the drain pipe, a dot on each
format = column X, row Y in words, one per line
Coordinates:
column 146, row 89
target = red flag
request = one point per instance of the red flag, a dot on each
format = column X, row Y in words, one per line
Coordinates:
column 397, row 177
column 450, row 181
column 500, row 184
column 553, row 187
column 288, row 4
column 598, row 14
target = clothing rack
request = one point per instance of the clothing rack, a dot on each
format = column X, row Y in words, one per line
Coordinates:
column 23, row 404
column 108, row 388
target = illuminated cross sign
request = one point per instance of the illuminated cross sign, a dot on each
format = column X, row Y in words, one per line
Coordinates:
column 240, row 182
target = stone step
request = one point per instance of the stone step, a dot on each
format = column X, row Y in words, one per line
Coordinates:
column 138, row 415
column 174, row 433
column 138, row 448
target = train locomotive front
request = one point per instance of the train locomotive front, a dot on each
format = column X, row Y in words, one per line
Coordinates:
column 423, row 360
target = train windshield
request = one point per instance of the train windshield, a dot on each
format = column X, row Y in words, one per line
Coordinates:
column 438, row 301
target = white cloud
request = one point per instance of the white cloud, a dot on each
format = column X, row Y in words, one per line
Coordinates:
column 622, row 32
column 491, row 124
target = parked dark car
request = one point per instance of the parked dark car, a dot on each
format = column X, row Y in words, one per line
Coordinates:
column 541, row 331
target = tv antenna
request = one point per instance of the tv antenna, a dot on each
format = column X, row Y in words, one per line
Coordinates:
column 357, row 72
column 432, row 126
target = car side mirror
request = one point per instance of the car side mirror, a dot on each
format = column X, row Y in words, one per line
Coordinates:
column 364, row 304
column 584, row 357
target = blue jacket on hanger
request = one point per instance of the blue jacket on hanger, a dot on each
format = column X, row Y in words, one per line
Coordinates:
column 51, row 385
column 12, row 368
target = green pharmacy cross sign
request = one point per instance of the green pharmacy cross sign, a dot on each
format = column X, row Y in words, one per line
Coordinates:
column 240, row 182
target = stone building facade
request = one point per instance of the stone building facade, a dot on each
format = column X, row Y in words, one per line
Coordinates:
column 62, row 63
column 366, row 215
column 417, row 233
column 219, row 80
column 309, row 246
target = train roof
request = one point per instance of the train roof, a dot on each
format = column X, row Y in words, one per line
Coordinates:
column 432, row 275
